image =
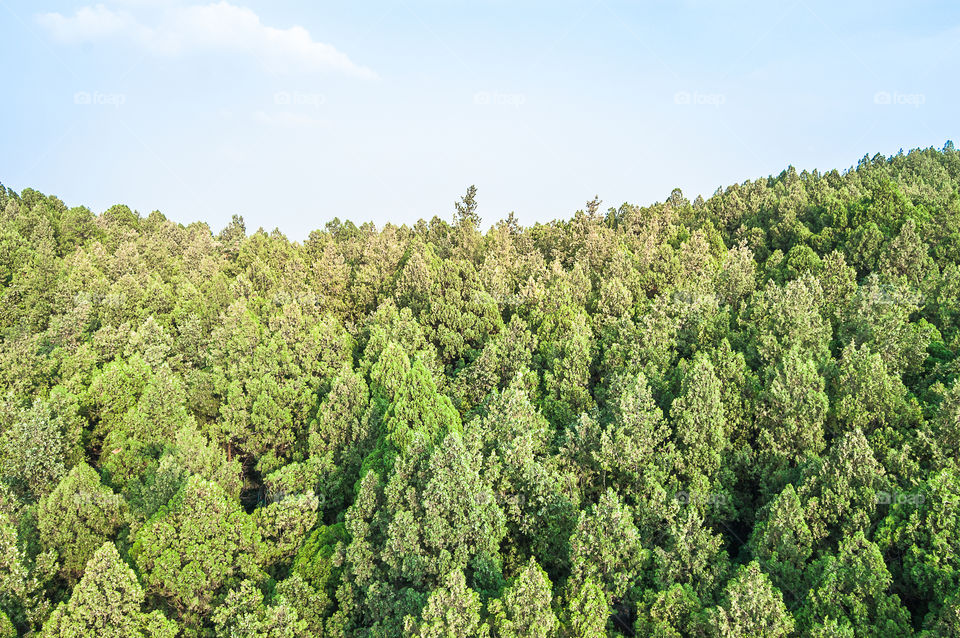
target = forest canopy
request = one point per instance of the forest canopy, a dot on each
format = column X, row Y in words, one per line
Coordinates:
column 733, row 416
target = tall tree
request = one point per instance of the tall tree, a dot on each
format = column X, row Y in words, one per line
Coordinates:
column 107, row 602
column 192, row 548
column 78, row 517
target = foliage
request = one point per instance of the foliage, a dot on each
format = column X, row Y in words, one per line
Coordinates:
column 733, row 416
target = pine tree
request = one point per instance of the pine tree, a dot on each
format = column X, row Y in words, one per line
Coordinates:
column 78, row 517
column 107, row 602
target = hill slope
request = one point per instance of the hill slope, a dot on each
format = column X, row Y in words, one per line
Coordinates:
column 737, row 416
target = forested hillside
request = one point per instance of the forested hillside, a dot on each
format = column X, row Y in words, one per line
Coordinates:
column 729, row 417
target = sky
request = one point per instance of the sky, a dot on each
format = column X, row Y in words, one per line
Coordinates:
column 293, row 113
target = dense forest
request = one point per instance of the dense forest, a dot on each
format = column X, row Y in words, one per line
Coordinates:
column 737, row 416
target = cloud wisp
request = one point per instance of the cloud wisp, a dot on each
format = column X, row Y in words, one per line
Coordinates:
column 216, row 27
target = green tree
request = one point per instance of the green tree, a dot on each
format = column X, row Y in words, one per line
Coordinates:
column 636, row 447
column 22, row 580
column 751, row 606
column 341, row 437
column 78, row 517
column 587, row 611
column 691, row 554
column 528, row 482
column 524, row 608
column 921, row 535
column 107, row 602
column 851, row 590
column 244, row 615
column 840, row 494
column 788, row 317
column 793, row 410
column 34, row 450
column 282, row 526
column 868, row 396
column 945, row 429
column 452, row 611
column 699, row 421
column 671, row 613
column 451, row 521
column 466, row 209
column 783, row 542
column 418, row 410
column 606, row 547
column 565, row 353
column 191, row 549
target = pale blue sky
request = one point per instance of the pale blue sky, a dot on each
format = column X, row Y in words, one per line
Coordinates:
column 292, row 113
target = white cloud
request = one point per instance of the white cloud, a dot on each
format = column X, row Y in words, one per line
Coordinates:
column 218, row 27
column 88, row 23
